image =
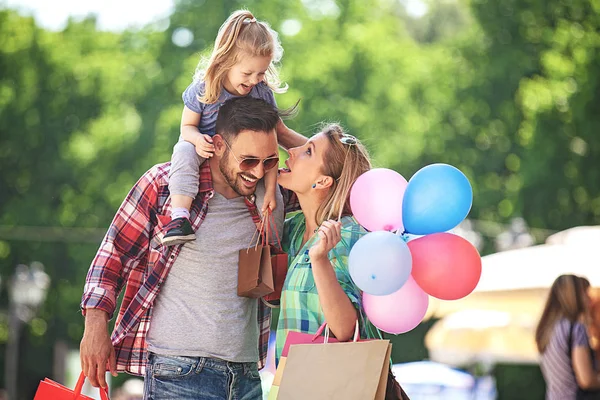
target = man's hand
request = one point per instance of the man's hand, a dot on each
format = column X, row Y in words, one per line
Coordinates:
column 96, row 350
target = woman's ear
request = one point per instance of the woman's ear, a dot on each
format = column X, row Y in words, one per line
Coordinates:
column 324, row 182
column 219, row 144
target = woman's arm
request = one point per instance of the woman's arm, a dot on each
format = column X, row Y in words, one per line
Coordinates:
column 586, row 376
column 339, row 311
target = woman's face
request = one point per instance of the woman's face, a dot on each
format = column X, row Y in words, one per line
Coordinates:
column 305, row 165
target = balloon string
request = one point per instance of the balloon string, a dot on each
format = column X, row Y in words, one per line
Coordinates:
column 365, row 233
column 354, row 231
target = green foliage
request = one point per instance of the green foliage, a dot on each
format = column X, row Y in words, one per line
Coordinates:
column 505, row 90
column 519, row 382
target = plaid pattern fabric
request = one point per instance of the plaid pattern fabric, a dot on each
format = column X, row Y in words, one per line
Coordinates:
column 131, row 257
column 300, row 307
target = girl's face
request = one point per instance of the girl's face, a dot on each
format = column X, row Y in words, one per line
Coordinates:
column 305, row 165
column 246, row 74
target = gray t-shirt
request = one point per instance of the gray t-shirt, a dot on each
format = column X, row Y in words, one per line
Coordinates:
column 198, row 312
column 209, row 111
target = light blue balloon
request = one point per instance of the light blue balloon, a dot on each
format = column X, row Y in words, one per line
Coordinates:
column 380, row 263
column 438, row 198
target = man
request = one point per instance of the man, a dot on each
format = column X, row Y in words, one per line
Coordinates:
column 181, row 323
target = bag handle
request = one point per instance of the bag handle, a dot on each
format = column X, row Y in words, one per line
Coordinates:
column 79, row 386
column 271, row 220
column 260, row 227
column 267, row 221
column 325, row 327
column 263, row 230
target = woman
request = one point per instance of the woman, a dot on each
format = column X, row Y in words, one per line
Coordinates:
column 318, row 239
column 566, row 358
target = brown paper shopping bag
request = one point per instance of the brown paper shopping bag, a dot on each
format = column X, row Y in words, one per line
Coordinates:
column 255, row 274
column 294, row 338
column 320, row 371
column 349, row 371
column 255, row 270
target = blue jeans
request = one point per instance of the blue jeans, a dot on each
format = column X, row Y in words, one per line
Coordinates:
column 200, row 378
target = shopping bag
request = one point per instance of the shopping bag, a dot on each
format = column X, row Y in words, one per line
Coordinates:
column 50, row 390
column 350, row 371
column 255, row 272
column 301, row 338
column 262, row 268
column 279, row 266
column 296, row 338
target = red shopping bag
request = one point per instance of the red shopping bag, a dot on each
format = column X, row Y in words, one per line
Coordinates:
column 50, row 390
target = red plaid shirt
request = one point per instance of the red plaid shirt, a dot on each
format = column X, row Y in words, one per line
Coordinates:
column 131, row 256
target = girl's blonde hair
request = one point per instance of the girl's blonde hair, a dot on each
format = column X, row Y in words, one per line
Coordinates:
column 240, row 35
column 345, row 160
column 567, row 299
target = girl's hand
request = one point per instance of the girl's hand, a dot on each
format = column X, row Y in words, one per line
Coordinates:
column 330, row 234
column 269, row 202
column 204, row 146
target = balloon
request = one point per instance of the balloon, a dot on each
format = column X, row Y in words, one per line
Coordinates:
column 380, row 263
column 437, row 198
column 445, row 266
column 376, row 199
column 398, row 312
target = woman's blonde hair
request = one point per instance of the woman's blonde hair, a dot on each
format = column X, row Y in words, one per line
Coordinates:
column 240, row 35
column 345, row 160
column 567, row 299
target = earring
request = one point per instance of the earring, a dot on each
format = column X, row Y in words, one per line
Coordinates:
column 314, row 185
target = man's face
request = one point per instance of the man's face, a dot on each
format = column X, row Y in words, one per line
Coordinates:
column 247, row 145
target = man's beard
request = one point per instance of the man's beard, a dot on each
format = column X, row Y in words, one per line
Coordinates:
column 231, row 177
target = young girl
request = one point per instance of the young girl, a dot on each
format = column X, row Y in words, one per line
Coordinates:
column 242, row 64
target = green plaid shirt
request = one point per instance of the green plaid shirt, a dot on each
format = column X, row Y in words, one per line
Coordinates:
column 300, row 307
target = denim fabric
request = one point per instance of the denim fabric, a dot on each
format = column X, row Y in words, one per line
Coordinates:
column 200, row 378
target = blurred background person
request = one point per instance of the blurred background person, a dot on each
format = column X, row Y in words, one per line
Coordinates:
column 567, row 361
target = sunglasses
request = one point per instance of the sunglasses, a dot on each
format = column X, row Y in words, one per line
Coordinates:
column 247, row 164
column 348, row 139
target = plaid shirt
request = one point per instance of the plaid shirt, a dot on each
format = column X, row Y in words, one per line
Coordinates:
column 300, row 306
column 132, row 257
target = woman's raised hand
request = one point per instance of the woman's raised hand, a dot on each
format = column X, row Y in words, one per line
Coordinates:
column 330, row 234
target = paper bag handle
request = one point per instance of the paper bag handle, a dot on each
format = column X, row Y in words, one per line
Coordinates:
column 79, row 386
column 326, row 328
column 270, row 219
column 263, row 229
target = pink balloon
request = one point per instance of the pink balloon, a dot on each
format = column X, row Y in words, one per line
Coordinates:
column 376, row 199
column 398, row 312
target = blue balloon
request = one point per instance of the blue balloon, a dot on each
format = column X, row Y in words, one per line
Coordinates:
column 438, row 198
column 380, row 263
